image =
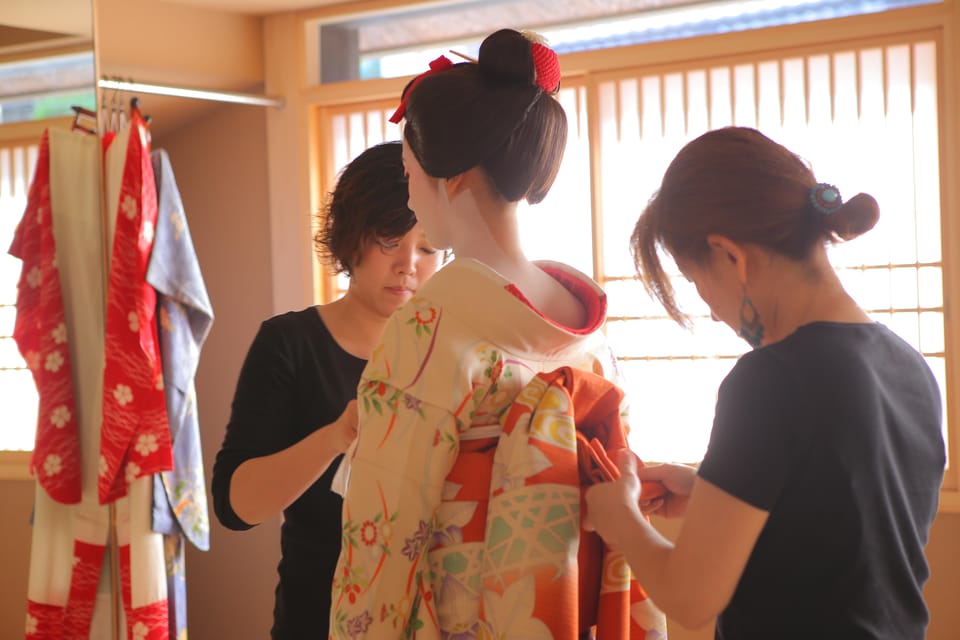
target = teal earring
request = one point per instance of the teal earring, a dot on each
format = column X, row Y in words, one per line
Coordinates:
column 751, row 329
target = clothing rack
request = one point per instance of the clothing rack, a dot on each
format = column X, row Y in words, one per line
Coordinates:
column 186, row 92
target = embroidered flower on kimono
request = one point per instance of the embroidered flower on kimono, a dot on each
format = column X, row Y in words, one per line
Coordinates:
column 130, row 207
column 147, row 232
column 39, row 215
column 33, row 277
column 352, row 591
column 140, row 631
column 359, row 624
column 165, row 320
column 495, row 370
column 447, row 536
column 133, row 321
column 458, row 609
column 33, row 360
column 516, row 460
column 123, row 394
column 397, row 612
column 421, row 320
column 422, row 323
column 411, row 402
column 414, row 545
column 646, row 614
column 132, row 471
column 59, row 334
column 52, row 465
column 403, row 607
column 102, row 467
column 146, row 444
column 60, row 416
column 178, row 224
column 53, row 362
column 511, row 615
column 368, row 533
column 32, row 623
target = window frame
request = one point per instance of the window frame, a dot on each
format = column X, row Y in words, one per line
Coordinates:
column 938, row 22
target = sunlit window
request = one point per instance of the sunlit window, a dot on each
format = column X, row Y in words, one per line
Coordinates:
column 46, row 87
column 18, row 394
column 375, row 47
column 864, row 118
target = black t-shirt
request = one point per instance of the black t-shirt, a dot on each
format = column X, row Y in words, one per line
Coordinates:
column 836, row 432
column 295, row 379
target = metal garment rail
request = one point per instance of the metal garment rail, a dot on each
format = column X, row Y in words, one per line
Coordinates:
column 185, row 92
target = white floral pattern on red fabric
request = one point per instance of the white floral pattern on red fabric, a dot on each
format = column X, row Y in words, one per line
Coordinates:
column 146, row 622
column 41, row 336
column 134, row 405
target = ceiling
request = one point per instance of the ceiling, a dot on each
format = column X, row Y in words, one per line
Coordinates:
column 27, row 25
column 60, row 16
column 258, row 7
column 55, row 22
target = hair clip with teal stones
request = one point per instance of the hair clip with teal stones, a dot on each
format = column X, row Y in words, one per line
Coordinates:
column 825, row 198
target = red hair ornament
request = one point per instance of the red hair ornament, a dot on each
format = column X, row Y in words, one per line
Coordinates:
column 440, row 64
column 546, row 66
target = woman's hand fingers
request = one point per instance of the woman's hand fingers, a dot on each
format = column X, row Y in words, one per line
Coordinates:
column 651, row 506
column 627, row 462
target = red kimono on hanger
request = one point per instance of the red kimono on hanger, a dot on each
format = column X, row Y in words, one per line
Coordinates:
column 135, row 435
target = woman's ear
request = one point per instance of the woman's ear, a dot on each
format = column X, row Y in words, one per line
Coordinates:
column 729, row 254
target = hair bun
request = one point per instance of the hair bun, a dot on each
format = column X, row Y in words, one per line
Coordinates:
column 855, row 217
column 506, row 55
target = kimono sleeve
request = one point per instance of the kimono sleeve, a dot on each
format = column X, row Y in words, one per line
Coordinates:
column 405, row 449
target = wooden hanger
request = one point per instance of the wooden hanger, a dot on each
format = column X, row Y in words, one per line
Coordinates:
column 84, row 120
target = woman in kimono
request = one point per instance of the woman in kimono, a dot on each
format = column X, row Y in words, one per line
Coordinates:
column 294, row 409
column 810, row 511
column 478, row 138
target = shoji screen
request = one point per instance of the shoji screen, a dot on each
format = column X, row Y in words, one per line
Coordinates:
column 865, row 118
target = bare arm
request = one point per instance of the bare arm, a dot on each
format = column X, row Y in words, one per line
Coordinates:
column 693, row 579
column 263, row 487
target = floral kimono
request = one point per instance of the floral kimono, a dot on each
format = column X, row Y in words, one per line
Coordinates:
column 420, row 555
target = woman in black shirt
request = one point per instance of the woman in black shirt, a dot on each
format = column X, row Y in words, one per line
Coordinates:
column 809, row 514
column 294, row 408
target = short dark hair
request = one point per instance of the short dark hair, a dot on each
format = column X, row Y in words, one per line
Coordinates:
column 491, row 114
column 737, row 182
column 368, row 202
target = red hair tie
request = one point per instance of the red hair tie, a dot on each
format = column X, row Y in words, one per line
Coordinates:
column 547, row 66
column 440, row 64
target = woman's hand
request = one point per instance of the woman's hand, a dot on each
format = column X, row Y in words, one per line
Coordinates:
column 345, row 428
column 262, row 487
column 612, row 507
column 677, row 479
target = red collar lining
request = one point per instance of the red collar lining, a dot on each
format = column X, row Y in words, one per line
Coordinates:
column 596, row 304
